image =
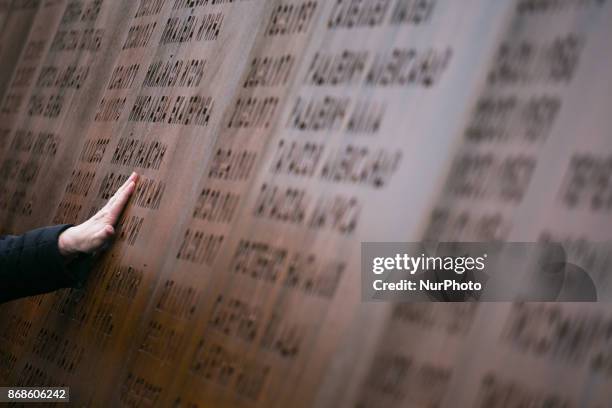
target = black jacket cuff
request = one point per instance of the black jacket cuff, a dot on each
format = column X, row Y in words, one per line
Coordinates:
column 31, row 264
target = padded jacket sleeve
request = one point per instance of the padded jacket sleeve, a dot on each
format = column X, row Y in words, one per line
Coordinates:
column 31, row 264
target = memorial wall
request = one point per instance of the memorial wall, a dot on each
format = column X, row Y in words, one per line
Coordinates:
column 273, row 137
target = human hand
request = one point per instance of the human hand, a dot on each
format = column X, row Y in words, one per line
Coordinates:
column 92, row 234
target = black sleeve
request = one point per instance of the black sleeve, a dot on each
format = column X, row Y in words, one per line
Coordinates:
column 31, row 264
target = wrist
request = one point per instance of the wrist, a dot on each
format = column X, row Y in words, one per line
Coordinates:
column 66, row 249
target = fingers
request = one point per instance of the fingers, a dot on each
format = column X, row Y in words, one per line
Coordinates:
column 133, row 178
column 120, row 202
column 120, row 198
column 94, row 233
